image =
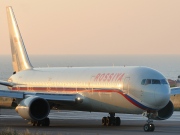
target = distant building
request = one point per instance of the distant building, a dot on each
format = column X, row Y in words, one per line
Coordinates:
column 172, row 83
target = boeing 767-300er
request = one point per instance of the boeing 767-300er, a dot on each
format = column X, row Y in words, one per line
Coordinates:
column 131, row 90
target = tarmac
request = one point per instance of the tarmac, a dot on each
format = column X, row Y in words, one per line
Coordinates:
column 86, row 123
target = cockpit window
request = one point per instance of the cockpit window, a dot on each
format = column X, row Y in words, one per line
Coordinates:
column 153, row 81
column 148, row 81
column 143, row 81
column 163, row 81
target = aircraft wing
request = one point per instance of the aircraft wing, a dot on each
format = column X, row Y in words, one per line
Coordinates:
column 175, row 90
column 6, row 83
column 175, row 97
column 48, row 96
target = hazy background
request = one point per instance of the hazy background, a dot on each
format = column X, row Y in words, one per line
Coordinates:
column 94, row 26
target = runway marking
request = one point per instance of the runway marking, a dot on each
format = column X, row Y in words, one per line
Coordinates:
column 62, row 115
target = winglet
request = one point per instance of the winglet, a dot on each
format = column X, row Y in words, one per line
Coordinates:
column 20, row 60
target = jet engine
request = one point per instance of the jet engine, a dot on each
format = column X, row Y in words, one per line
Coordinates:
column 33, row 108
column 165, row 112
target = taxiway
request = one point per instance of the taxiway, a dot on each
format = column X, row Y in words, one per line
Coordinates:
column 86, row 123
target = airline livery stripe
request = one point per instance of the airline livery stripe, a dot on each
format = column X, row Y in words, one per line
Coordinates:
column 75, row 90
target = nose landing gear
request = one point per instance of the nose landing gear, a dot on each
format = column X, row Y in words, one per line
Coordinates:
column 111, row 120
column 149, row 127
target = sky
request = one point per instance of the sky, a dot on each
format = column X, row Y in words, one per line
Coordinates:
column 94, row 26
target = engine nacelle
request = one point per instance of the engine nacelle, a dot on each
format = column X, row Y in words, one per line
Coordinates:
column 33, row 108
column 165, row 112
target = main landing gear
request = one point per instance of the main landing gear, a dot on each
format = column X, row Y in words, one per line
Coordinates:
column 111, row 120
column 149, row 127
column 44, row 123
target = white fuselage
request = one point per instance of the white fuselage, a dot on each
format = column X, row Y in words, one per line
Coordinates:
column 104, row 89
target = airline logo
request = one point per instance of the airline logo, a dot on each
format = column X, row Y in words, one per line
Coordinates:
column 108, row 77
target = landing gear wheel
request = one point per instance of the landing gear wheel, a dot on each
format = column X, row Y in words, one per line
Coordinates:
column 46, row 122
column 108, row 121
column 38, row 123
column 152, row 127
column 104, row 121
column 146, row 127
column 149, row 127
column 34, row 123
column 118, row 121
column 111, row 121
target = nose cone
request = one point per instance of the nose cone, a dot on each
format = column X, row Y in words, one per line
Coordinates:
column 162, row 96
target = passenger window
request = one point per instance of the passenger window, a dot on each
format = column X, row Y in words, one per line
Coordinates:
column 143, row 81
column 154, row 81
column 148, row 81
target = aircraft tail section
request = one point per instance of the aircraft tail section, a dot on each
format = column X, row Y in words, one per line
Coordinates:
column 20, row 60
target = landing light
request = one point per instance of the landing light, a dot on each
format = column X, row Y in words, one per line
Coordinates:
column 79, row 100
column 119, row 85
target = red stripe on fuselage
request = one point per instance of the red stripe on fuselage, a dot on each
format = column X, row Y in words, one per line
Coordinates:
column 75, row 90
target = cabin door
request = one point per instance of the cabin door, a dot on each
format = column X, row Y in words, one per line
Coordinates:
column 126, row 85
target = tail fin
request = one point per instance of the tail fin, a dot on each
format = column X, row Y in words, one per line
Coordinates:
column 20, row 60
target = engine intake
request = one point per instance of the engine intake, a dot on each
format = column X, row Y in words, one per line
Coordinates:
column 165, row 112
column 33, row 108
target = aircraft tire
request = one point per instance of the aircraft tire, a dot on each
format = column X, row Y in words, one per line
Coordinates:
column 38, row 123
column 149, row 127
column 146, row 127
column 104, row 121
column 118, row 121
column 46, row 122
column 152, row 127
column 108, row 121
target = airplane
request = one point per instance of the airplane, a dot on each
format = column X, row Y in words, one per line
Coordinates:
column 116, row 89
